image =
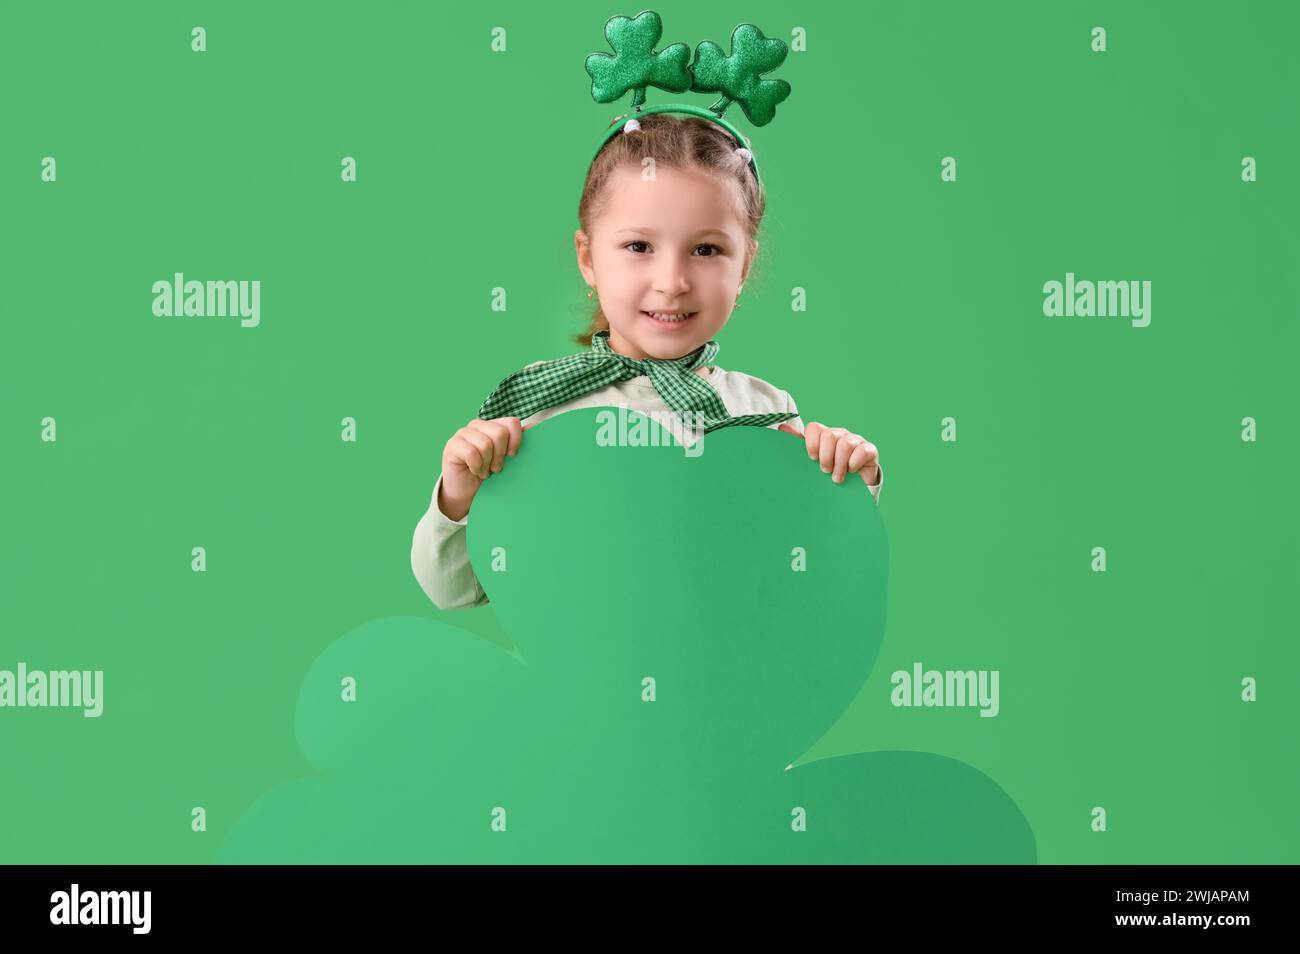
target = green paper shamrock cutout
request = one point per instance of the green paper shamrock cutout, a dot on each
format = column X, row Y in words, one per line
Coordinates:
column 635, row 65
column 682, row 625
column 738, row 76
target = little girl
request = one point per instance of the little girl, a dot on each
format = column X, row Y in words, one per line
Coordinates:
column 659, row 301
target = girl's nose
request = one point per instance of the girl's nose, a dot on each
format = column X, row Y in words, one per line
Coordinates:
column 671, row 279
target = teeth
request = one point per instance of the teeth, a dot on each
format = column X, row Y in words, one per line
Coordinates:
column 677, row 317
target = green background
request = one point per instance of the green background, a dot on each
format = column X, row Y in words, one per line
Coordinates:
column 924, row 302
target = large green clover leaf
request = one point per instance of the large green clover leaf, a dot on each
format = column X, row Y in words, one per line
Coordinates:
column 739, row 76
column 635, row 65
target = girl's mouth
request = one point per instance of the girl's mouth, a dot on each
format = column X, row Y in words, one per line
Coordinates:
column 662, row 320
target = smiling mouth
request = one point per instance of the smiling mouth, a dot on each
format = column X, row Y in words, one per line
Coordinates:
column 669, row 320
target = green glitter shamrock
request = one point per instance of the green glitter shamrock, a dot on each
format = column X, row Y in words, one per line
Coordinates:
column 739, row 76
column 635, row 65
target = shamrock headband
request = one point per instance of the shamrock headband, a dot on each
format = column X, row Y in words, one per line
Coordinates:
column 738, row 77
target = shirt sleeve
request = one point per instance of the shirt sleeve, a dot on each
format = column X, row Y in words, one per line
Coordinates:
column 440, row 559
column 799, row 424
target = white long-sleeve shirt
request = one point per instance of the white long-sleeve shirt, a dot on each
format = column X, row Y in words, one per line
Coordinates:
column 439, row 553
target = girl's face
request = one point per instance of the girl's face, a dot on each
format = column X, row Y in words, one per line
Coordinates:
column 671, row 245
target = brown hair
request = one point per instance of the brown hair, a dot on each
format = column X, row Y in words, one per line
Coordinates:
column 680, row 142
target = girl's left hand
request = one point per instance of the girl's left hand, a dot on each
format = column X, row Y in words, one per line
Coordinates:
column 839, row 451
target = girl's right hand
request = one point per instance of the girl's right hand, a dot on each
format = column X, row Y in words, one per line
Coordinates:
column 475, row 452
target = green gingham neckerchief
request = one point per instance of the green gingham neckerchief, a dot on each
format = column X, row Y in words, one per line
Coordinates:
column 549, row 383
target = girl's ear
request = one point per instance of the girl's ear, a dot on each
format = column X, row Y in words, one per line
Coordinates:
column 582, row 245
column 749, row 260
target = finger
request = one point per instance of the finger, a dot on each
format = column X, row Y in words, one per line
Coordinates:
column 857, row 458
column 813, row 439
column 499, row 435
column 788, row 428
column 504, row 437
column 516, row 429
column 464, row 451
column 863, row 457
column 826, row 450
column 843, row 448
column 483, row 444
column 485, row 448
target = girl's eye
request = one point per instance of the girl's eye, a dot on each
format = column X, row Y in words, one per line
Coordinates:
column 717, row 249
